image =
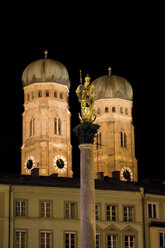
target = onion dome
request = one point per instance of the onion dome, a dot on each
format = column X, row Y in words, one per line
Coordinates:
column 111, row 86
column 45, row 70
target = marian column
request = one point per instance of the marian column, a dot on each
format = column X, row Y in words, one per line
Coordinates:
column 85, row 132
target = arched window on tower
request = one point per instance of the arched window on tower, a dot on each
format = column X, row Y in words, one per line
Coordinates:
column 123, row 139
column 32, row 127
column 57, row 125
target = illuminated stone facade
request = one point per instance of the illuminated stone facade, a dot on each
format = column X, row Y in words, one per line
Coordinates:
column 114, row 148
column 46, row 125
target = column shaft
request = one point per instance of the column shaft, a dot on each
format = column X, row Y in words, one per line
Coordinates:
column 88, row 221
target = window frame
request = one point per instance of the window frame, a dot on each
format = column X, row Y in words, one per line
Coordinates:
column 57, row 126
column 157, row 210
column 123, row 139
column 163, row 238
column 20, row 208
column 111, row 211
column 76, row 238
column 51, row 237
column 69, row 215
column 129, row 241
column 20, row 230
column 99, row 211
column 45, row 214
column 98, row 245
column 132, row 207
column 117, row 240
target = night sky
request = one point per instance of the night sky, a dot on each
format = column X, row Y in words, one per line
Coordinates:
column 131, row 41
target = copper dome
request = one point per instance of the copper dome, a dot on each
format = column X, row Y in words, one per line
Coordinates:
column 111, row 86
column 45, row 70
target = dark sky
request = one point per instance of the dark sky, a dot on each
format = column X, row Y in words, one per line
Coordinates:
column 130, row 39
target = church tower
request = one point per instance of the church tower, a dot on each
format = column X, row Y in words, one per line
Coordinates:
column 114, row 150
column 46, row 119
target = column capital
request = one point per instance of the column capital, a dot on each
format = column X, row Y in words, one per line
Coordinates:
column 86, row 132
column 86, row 146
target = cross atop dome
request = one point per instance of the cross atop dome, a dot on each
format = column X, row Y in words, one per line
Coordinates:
column 46, row 54
column 109, row 70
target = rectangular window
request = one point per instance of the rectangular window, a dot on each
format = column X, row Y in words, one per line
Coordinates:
column 55, row 94
column 152, row 210
column 70, row 210
column 113, row 109
column 112, row 241
column 21, row 208
column 39, row 93
column 126, row 111
column 162, row 239
column 70, row 240
column 129, row 242
column 57, row 126
column 98, row 211
column 45, row 239
column 123, row 139
column 20, row 239
column 32, row 127
column 121, row 110
column 47, row 93
column 28, row 97
column 61, row 95
column 128, row 213
column 46, row 209
column 32, row 95
column 98, row 240
column 106, row 109
column 111, row 212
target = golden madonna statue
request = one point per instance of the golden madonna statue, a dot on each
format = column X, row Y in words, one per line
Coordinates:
column 86, row 95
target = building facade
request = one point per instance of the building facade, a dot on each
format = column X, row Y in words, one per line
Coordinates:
column 154, row 216
column 34, row 214
column 41, row 207
column 44, row 212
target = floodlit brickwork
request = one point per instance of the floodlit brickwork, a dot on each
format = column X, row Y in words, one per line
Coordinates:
column 114, row 148
column 46, row 130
